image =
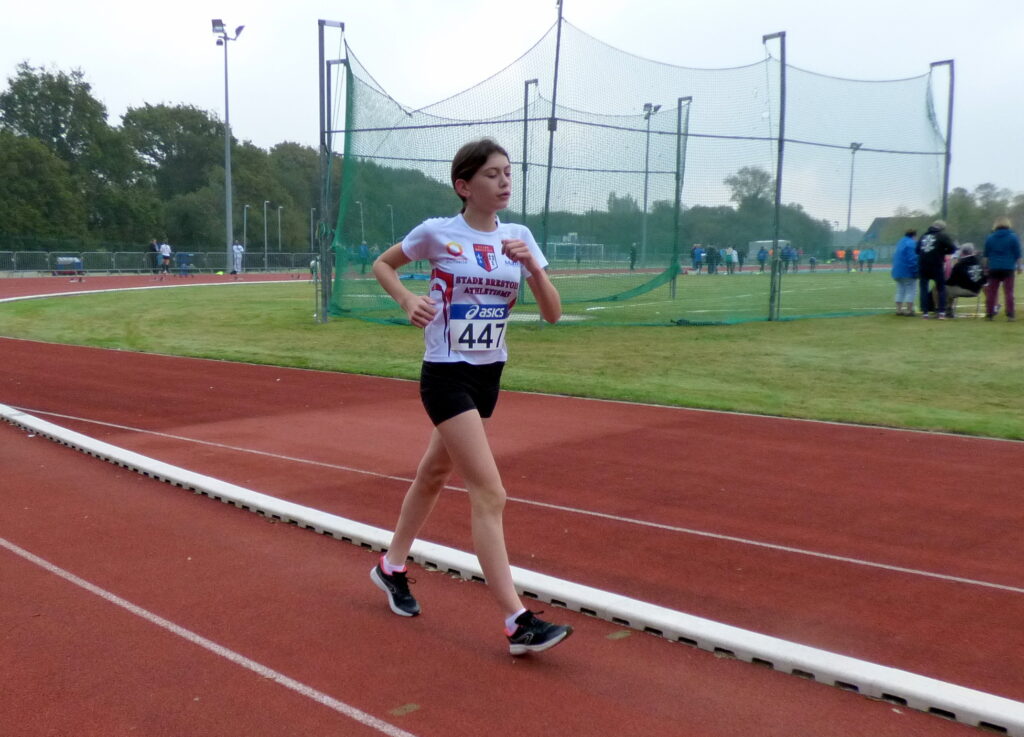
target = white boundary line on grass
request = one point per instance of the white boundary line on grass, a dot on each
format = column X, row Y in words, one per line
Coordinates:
column 258, row 668
column 150, row 286
column 877, row 681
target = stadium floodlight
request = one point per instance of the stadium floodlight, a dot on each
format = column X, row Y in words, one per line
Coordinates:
column 229, row 226
column 854, row 148
column 245, row 224
column 649, row 110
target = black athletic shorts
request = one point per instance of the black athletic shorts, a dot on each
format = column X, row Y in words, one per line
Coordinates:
column 449, row 389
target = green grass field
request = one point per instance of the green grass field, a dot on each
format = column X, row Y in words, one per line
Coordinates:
column 588, row 296
column 956, row 375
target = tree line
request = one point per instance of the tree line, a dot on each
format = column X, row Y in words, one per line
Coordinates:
column 73, row 181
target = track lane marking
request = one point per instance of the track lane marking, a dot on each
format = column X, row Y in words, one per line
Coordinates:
column 261, row 670
column 571, row 510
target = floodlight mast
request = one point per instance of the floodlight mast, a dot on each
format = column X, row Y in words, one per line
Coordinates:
column 222, row 40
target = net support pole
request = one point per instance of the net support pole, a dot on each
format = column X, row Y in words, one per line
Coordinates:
column 680, row 175
column 323, row 274
column 552, row 127
column 949, row 133
column 775, row 292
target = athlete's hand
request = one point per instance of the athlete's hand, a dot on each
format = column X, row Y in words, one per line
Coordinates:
column 519, row 252
column 420, row 309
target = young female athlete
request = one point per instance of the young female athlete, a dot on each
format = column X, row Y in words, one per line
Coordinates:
column 477, row 262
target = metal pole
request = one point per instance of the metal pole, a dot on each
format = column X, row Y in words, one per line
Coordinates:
column 362, row 227
column 680, row 174
column 775, row 293
column 854, row 148
column 392, row 211
column 649, row 110
column 949, row 134
column 229, row 225
column 245, row 225
column 526, row 140
column 265, row 260
column 552, row 127
column 324, row 266
column 279, row 208
column 312, row 210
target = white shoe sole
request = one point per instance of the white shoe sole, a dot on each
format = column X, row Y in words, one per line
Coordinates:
column 375, row 577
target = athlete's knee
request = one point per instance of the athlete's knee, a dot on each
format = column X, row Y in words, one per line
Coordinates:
column 433, row 473
column 488, row 500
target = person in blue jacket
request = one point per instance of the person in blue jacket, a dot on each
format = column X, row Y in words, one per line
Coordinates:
column 904, row 271
column 1001, row 259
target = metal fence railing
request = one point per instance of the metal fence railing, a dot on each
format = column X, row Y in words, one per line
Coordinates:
column 141, row 262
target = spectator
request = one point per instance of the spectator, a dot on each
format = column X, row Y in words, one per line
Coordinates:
column 904, row 271
column 762, row 256
column 237, row 249
column 364, row 257
column 698, row 257
column 849, row 259
column 154, row 256
column 965, row 279
column 1001, row 259
column 932, row 249
column 165, row 259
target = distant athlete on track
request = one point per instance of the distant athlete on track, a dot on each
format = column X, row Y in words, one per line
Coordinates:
column 476, row 265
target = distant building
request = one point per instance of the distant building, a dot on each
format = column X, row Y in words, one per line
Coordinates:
column 884, row 233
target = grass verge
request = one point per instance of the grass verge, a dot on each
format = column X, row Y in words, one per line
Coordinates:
column 959, row 376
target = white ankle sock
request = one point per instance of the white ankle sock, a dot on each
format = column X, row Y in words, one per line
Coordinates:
column 388, row 568
column 510, row 623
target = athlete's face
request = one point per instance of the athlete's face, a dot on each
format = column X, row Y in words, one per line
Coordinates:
column 491, row 187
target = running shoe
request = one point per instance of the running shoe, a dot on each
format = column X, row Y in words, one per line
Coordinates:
column 534, row 635
column 396, row 586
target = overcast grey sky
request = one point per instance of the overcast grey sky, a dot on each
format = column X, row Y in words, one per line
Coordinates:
column 423, row 51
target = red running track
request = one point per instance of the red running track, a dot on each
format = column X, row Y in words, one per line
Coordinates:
column 302, row 604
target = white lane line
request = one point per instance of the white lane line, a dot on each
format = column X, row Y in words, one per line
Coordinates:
column 571, row 510
column 261, row 670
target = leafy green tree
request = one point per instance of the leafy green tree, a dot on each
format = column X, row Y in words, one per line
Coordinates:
column 179, row 145
column 39, row 194
column 751, row 185
column 56, row 108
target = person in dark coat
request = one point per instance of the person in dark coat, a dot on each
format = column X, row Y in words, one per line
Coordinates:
column 966, row 278
column 932, row 249
column 1001, row 260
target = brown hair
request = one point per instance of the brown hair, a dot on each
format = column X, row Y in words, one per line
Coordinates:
column 470, row 158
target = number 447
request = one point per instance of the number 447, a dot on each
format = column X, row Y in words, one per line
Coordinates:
column 487, row 338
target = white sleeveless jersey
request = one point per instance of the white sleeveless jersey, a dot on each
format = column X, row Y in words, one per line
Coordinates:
column 473, row 285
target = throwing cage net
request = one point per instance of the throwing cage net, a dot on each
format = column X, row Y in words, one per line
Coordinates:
column 650, row 187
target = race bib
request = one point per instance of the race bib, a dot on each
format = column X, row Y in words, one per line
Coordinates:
column 478, row 327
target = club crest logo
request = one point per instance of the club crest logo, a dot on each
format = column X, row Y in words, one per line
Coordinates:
column 485, row 256
column 453, row 249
